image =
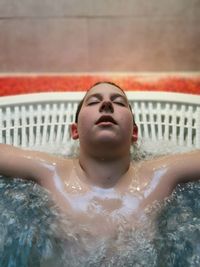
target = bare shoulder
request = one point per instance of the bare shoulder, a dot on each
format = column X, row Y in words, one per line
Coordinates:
column 56, row 162
column 174, row 160
column 160, row 175
column 51, row 167
column 181, row 167
column 63, row 163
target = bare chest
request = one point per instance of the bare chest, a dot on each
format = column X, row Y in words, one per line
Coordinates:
column 105, row 213
column 108, row 208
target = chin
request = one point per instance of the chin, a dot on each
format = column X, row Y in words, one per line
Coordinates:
column 109, row 141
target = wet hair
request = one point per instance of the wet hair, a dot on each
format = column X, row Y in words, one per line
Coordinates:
column 81, row 102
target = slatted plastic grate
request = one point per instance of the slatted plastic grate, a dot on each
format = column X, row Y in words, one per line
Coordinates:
column 36, row 125
column 43, row 119
column 169, row 122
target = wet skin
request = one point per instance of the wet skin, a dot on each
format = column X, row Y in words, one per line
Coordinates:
column 102, row 187
column 103, row 209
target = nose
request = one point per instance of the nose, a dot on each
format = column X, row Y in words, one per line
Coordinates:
column 107, row 107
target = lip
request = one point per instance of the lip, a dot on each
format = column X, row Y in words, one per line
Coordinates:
column 105, row 123
column 106, row 120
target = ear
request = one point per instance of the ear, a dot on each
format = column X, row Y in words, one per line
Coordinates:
column 74, row 131
column 135, row 133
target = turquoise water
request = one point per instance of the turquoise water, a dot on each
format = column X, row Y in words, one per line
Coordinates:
column 32, row 233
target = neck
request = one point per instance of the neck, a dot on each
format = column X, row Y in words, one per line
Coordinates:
column 103, row 172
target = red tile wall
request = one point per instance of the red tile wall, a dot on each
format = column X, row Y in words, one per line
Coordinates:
column 11, row 85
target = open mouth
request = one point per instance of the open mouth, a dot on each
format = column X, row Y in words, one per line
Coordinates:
column 106, row 119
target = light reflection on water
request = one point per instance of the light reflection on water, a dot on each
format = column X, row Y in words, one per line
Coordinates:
column 31, row 235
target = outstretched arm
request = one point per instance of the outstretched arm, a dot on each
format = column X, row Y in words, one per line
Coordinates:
column 186, row 167
column 15, row 162
column 179, row 168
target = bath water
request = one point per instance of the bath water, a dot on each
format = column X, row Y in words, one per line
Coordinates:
column 33, row 232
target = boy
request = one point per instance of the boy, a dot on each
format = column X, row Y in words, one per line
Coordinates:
column 102, row 187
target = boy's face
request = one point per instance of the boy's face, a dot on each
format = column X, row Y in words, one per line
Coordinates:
column 105, row 117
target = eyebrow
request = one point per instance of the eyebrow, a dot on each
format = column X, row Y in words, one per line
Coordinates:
column 99, row 96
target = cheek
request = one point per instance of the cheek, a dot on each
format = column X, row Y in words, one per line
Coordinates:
column 85, row 120
column 127, row 120
column 127, row 126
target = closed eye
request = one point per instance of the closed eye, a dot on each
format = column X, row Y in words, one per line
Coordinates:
column 92, row 103
column 119, row 103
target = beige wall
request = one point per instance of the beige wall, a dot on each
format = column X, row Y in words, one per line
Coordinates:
column 99, row 35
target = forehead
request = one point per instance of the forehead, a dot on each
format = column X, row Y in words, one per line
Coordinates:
column 105, row 89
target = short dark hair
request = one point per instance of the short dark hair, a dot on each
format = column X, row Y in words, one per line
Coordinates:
column 81, row 102
column 79, row 109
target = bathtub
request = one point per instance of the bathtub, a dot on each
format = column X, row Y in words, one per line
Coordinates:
column 29, row 232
